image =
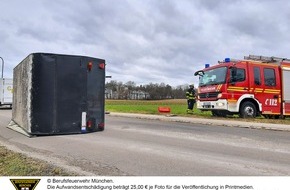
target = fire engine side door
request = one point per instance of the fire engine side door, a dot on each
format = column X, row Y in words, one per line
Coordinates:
column 266, row 87
column 238, row 85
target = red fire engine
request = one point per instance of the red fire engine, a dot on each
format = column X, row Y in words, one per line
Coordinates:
column 257, row 85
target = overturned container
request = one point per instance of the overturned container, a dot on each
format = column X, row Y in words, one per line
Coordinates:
column 58, row 94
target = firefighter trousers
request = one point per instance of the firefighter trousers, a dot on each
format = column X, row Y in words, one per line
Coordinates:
column 190, row 104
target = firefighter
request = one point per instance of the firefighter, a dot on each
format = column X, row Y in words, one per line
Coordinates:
column 190, row 95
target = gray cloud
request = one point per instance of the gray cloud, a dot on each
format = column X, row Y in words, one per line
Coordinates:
column 145, row 41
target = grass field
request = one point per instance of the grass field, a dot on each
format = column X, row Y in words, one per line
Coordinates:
column 16, row 164
column 177, row 106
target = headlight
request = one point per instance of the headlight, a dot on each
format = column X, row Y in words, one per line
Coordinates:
column 219, row 95
column 220, row 104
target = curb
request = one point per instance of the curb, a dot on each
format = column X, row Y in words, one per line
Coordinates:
column 173, row 118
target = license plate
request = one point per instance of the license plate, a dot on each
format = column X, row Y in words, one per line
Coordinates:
column 206, row 104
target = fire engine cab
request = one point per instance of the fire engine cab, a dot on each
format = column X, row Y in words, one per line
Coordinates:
column 257, row 85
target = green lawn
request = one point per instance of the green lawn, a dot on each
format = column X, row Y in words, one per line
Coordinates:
column 177, row 106
column 16, row 164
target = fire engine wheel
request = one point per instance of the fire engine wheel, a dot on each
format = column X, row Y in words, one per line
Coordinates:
column 248, row 110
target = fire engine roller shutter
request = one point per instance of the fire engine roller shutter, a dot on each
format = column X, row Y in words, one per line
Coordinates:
column 285, row 84
column 51, row 93
column 286, row 90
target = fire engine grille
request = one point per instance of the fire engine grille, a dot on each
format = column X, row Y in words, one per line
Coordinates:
column 209, row 95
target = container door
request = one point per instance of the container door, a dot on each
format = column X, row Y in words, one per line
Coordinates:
column 71, row 92
column 95, row 94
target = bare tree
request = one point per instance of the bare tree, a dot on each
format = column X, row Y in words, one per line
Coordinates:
column 155, row 91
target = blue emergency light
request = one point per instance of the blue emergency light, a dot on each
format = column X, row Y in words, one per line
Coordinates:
column 206, row 65
column 227, row 60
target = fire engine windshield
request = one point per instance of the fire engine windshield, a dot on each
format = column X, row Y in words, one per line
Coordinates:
column 213, row 76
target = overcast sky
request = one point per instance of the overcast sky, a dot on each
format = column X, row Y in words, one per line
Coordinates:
column 145, row 40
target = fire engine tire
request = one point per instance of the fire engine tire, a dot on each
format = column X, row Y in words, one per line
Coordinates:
column 214, row 113
column 218, row 113
column 248, row 110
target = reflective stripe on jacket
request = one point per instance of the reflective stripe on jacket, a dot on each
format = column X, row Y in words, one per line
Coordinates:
column 190, row 94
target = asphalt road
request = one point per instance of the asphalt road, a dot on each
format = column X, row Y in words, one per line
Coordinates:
column 142, row 147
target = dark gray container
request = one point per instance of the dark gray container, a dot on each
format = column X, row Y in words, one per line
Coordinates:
column 59, row 94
